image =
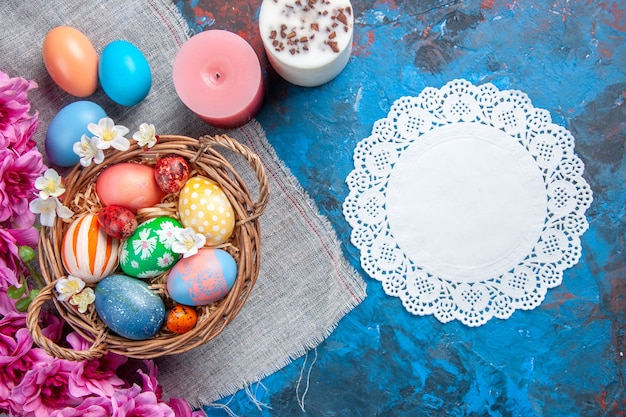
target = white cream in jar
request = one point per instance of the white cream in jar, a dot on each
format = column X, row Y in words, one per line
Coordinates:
column 307, row 42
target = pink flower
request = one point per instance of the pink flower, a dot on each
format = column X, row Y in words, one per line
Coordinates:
column 14, row 104
column 91, row 407
column 12, row 322
column 17, row 178
column 97, row 376
column 7, row 304
column 45, row 388
column 19, row 135
column 182, row 409
column 142, row 373
column 17, row 357
column 51, row 326
column 149, row 380
column 132, row 402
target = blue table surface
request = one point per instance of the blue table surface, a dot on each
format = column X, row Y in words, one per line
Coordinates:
column 564, row 358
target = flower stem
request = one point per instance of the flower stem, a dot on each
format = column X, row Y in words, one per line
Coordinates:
column 35, row 275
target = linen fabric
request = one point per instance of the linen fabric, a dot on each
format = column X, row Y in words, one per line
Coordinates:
column 305, row 285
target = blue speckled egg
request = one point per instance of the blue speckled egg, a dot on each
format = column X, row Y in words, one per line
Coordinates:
column 129, row 307
column 67, row 127
column 202, row 278
column 124, row 73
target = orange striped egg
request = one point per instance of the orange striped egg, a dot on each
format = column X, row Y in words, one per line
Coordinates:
column 87, row 251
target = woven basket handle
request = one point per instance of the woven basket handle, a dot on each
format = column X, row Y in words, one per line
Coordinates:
column 255, row 163
column 96, row 350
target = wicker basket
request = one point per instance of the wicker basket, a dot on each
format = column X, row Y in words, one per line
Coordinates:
column 243, row 245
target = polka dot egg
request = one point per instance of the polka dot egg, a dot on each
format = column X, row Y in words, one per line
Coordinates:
column 203, row 206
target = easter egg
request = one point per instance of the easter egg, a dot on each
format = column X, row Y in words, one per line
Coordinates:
column 203, row 206
column 71, row 60
column 148, row 251
column 128, row 185
column 67, row 127
column 129, row 307
column 171, row 172
column 118, row 222
column 87, row 252
column 202, row 278
column 124, row 73
column 180, row 319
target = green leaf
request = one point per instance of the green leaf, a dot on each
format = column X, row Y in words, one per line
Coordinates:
column 16, row 292
column 34, row 293
column 26, row 253
column 22, row 304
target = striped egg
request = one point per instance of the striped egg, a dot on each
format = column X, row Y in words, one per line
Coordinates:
column 87, row 251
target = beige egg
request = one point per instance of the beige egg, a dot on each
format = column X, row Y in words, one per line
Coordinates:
column 203, row 206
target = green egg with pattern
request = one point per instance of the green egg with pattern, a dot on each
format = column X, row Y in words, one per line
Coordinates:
column 148, row 252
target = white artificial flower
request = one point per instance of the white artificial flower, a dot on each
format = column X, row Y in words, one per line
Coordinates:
column 69, row 286
column 49, row 184
column 187, row 241
column 88, row 151
column 49, row 209
column 83, row 299
column 146, row 136
column 108, row 134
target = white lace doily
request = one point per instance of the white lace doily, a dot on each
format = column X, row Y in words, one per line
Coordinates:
column 467, row 202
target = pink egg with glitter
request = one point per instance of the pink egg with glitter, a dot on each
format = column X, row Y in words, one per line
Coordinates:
column 202, row 278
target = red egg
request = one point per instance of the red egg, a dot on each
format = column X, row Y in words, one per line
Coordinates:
column 118, row 222
column 171, row 173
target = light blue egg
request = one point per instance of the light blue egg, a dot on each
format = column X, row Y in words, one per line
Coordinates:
column 129, row 307
column 203, row 278
column 124, row 73
column 67, row 127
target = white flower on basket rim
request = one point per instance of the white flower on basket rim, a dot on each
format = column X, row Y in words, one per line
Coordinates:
column 187, row 241
column 88, row 150
column 83, row 299
column 68, row 287
column 49, row 184
column 49, row 209
column 108, row 134
column 146, row 136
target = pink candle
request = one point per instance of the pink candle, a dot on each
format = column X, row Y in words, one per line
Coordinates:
column 217, row 75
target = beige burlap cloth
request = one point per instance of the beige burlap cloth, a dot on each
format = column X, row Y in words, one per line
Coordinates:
column 305, row 286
